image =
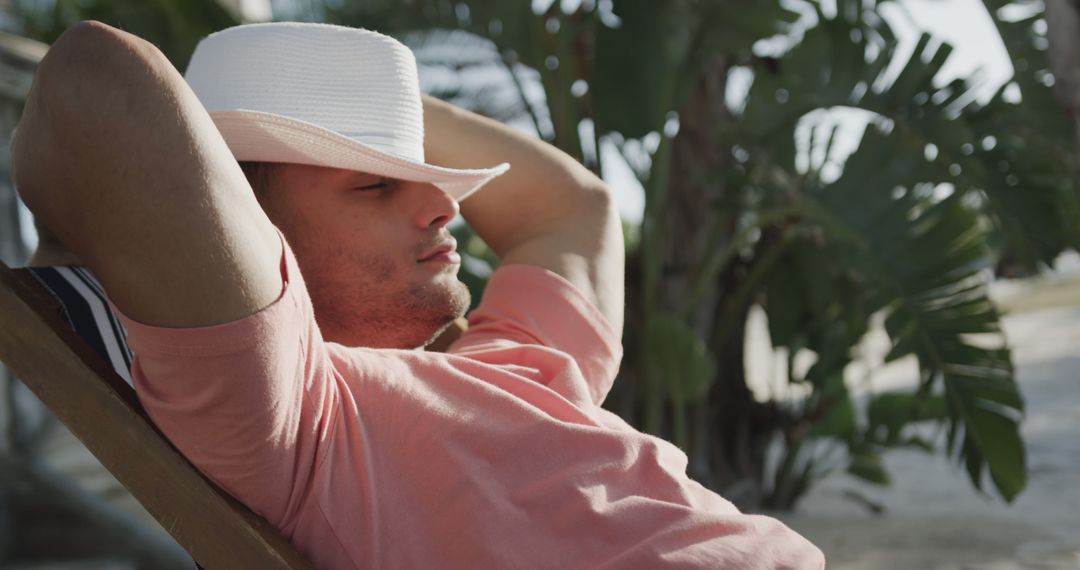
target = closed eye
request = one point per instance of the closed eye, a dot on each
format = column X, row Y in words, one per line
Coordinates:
column 376, row 186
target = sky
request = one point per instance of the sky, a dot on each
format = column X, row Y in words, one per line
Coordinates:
column 967, row 26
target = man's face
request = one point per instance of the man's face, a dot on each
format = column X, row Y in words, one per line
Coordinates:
column 364, row 245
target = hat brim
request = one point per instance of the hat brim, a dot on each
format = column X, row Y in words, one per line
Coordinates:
column 269, row 137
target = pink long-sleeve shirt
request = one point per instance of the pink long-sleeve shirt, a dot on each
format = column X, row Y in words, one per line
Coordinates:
column 495, row 454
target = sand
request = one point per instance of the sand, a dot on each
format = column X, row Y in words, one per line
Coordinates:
column 933, row 518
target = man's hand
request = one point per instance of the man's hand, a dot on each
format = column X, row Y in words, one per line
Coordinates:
column 547, row 210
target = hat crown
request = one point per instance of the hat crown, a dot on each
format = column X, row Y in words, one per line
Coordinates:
column 358, row 83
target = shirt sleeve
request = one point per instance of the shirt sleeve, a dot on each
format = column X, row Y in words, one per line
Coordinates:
column 529, row 305
column 247, row 401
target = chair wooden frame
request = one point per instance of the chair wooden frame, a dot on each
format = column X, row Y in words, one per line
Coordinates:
column 87, row 395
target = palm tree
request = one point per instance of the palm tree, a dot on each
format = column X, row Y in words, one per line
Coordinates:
column 751, row 203
column 1063, row 42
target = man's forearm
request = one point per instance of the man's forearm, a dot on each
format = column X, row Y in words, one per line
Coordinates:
column 547, row 211
column 542, row 190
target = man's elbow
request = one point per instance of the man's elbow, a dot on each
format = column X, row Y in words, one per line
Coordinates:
column 96, row 43
column 597, row 200
column 83, row 74
column 604, row 210
column 89, row 62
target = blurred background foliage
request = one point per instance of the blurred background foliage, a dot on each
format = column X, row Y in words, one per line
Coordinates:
column 736, row 117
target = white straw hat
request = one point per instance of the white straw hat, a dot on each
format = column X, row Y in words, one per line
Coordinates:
column 322, row 95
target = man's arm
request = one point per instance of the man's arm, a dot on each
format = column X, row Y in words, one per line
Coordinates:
column 50, row 250
column 117, row 156
column 547, row 210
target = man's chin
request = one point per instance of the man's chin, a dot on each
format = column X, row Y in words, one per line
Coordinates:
column 411, row 325
column 399, row 339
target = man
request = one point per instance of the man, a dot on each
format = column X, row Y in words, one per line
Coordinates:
column 276, row 327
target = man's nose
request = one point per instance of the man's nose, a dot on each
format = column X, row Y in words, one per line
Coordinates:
column 434, row 208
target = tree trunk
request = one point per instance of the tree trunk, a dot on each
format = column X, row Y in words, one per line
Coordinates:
column 723, row 438
column 1063, row 34
column 695, row 184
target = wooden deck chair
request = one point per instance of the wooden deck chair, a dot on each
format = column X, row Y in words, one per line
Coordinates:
column 85, row 392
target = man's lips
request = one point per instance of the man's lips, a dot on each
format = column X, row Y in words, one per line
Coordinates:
column 445, row 252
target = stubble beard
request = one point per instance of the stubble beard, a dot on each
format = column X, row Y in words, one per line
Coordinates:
column 356, row 303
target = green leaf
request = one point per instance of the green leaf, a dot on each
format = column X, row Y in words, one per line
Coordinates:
column 869, row 468
column 991, row 412
column 679, row 359
column 889, row 413
column 653, row 75
column 839, row 420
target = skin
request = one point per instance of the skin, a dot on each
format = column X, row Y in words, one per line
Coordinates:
column 359, row 239
column 50, row 251
column 116, row 154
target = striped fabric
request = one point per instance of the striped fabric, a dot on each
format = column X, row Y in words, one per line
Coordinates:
column 83, row 306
